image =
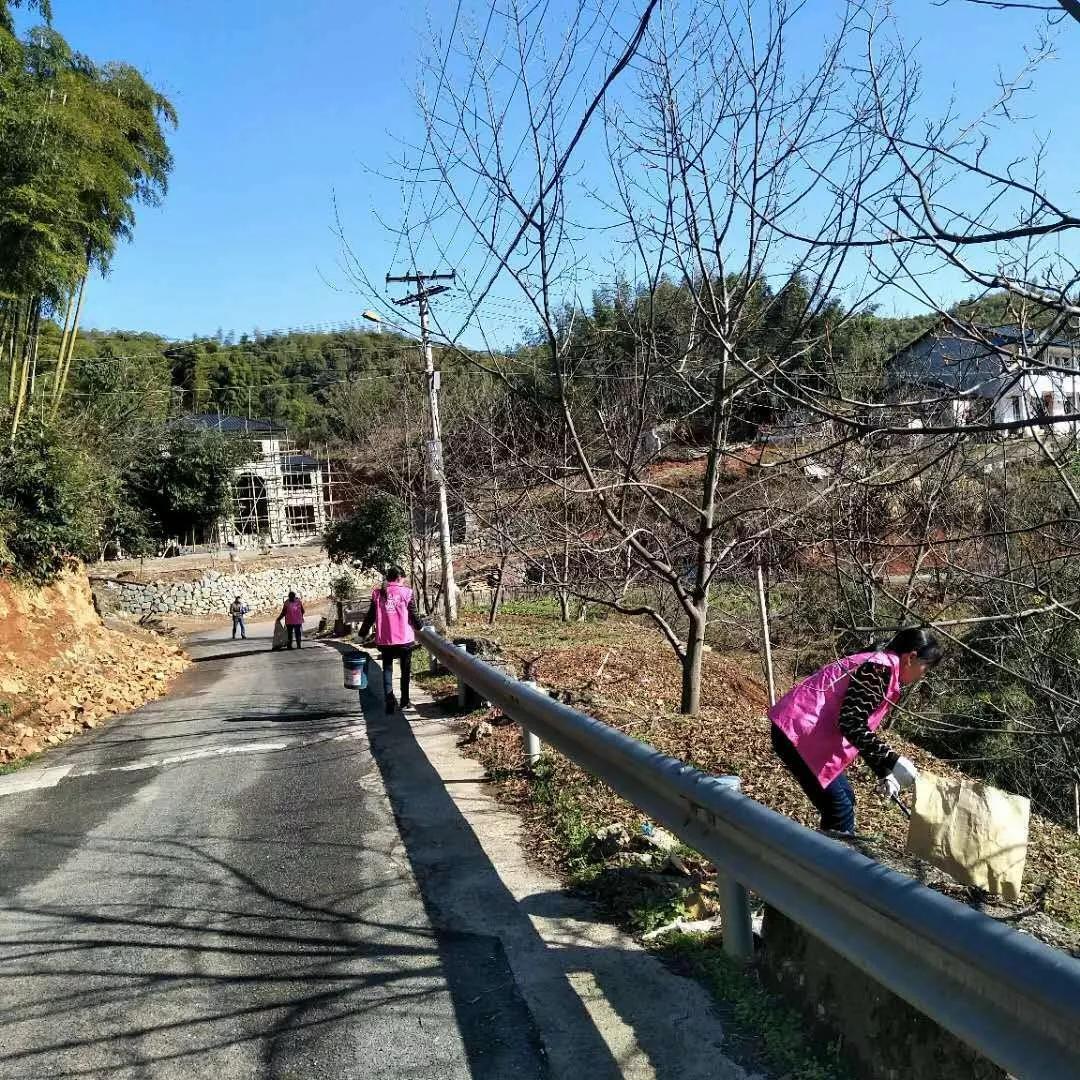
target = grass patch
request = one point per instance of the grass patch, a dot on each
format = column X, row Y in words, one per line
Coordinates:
column 755, row 1017
column 562, row 803
column 438, row 686
column 15, row 766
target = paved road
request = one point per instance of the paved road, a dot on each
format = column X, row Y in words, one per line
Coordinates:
column 215, row 887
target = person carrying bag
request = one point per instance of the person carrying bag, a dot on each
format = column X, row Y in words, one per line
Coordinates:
column 393, row 615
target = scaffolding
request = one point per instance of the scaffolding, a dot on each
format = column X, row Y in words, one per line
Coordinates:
column 284, row 496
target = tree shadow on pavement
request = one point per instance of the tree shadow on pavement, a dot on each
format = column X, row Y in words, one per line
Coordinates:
column 460, row 886
column 291, row 949
column 264, row 922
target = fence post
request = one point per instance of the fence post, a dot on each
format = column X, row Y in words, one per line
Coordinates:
column 735, row 923
column 530, row 741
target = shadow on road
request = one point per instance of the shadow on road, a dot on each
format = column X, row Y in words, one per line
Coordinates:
column 454, row 871
column 266, row 926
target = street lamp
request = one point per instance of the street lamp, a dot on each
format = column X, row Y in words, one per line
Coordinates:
column 372, row 316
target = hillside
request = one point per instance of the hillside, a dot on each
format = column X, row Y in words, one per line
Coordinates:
column 289, row 376
column 625, row 674
column 64, row 670
column 293, row 379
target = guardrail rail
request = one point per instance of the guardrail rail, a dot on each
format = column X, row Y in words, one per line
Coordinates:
column 1012, row 998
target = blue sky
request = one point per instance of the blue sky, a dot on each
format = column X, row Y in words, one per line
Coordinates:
column 283, row 103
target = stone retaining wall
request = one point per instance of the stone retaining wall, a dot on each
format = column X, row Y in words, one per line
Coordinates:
column 214, row 591
column 881, row 1035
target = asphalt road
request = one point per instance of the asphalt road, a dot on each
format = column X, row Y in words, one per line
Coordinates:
column 216, row 886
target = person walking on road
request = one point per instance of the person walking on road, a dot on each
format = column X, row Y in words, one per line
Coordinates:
column 393, row 614
column 292, row 614
column 238, row 609
column 823, row 723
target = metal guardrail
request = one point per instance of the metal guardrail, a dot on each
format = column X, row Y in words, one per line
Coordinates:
column 1012, row 998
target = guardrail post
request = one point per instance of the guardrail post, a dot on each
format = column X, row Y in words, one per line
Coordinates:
column 530, row 741
column 735, row 921
column 462, row 685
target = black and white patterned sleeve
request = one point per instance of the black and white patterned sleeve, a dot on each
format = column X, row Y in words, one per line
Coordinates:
column 865, row 693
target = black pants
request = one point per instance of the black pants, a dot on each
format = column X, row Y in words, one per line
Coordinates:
column 388, row 654
column 835, row 803
column 293, row 632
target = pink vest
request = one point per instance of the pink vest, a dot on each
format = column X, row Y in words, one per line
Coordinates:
column 294, row 613
column 392, row 626
column 807, row 714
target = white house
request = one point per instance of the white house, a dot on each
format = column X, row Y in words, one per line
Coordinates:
column 998, row 374
column 279, row 496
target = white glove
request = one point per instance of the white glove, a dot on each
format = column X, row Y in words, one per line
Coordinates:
column 904, row 772
column 888, row 787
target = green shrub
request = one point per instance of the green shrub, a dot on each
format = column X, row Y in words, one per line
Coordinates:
column 344, row 588
column 186, row 481
column 50, row 512
column 374, row 537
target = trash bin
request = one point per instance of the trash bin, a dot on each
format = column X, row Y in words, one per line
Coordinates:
column 355, row 668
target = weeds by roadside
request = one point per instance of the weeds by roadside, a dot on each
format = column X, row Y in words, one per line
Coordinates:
column 21, row 763
column 761, row 1025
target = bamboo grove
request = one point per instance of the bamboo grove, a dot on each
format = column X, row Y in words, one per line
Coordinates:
column 82, row 144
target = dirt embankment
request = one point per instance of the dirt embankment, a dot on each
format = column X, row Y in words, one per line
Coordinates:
column 62, row 670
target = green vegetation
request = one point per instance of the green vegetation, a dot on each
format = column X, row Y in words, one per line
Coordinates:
column 48, row 511
column 752, row 1012
column 563, row 803
column 82, row 145
column 374, row 537
column 186, row 482
column 65, row 497
column 21, row 763
column 343, row 588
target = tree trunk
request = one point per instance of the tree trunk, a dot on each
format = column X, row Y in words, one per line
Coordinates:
column 691, row 664
column 7, row 346
column 25, row 350
column 63, row 375
column 703, row 556
column 496, row 599
column 62, row 350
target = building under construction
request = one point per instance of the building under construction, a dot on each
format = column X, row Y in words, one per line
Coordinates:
column 282, row 496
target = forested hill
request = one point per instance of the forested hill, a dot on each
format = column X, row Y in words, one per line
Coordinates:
column 290, row 378
column 300, row 379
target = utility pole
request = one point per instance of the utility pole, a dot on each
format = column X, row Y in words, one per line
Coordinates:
column 435, row 455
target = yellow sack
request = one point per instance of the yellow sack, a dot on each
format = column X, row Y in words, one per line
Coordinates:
column 972, row 831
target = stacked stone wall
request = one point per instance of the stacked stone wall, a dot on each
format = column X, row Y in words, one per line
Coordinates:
column 211, row 594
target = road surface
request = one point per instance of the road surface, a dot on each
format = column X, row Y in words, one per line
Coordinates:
column 218, row 886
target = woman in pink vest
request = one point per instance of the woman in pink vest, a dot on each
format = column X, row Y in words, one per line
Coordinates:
column 292, row 611
column 822, row 724
column 393, row 614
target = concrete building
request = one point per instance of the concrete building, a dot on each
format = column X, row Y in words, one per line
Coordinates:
column 999, row 374
column 280, row 496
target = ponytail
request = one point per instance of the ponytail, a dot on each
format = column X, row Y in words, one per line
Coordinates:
column 914, row 639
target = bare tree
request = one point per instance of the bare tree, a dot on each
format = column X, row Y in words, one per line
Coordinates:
column 756, row 208
column 718, row 145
